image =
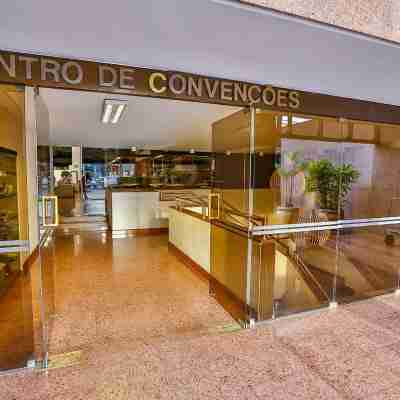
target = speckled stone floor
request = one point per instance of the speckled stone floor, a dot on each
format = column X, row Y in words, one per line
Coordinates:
column 161, row 341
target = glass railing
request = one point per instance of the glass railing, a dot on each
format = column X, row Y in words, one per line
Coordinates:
column 267, row 271
column 329, row 263
column 368, row 261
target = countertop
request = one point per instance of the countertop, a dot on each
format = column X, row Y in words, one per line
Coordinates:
column 153, row 189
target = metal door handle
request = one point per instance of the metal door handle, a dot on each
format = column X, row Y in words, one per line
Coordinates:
column 210, row 202
column 54, row 217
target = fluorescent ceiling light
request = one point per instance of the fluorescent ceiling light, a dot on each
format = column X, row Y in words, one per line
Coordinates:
column 106, row 113
column 112, row 110
column 118, row 113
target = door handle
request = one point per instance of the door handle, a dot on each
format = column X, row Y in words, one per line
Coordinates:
column 211, row 196
column 54, row 217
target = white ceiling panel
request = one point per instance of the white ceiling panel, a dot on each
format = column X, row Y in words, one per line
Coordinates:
column 75, row 119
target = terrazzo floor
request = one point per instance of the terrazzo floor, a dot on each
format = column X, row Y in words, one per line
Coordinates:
column 147, row 329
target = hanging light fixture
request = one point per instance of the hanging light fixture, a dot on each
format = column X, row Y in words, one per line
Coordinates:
column 112, row 110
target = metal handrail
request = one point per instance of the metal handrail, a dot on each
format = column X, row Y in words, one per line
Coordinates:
column 18, row 243
column 295, row 257
column 193, row 199
column 305, row 268
column 323, row 226
column 13, row 246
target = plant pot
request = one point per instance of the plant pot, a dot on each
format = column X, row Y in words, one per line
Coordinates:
column 285, row 215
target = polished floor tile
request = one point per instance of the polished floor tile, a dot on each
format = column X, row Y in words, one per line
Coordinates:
column 147, row 329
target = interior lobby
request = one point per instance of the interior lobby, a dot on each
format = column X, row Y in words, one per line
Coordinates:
column 142, row 216
column 227, row 232
column 167, row 289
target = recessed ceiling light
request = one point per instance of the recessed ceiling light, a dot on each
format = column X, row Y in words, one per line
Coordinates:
column 112, row 110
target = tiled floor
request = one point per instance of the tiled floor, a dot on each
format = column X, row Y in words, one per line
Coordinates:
column 147, row 330
column 110, row 289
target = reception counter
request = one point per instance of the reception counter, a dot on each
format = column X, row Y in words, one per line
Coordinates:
column 191, row 235
column 144, row 208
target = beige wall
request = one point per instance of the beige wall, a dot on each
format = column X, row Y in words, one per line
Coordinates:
column 375, row 17
column 191, row 235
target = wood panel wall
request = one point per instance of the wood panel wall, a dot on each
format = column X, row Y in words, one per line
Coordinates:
column 12, row 136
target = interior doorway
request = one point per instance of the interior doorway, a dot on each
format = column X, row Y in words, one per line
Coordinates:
column 133, row 242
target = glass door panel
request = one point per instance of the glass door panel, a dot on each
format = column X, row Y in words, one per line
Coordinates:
column 230, row 213
column 45, row 174
column 48, row 220
column 369, row 249
column 368, row 262
column 17, row 340
column 298, row 165
column 231, row 148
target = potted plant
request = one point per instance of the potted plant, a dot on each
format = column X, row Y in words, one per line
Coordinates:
column 332, row 183
column 287, row 212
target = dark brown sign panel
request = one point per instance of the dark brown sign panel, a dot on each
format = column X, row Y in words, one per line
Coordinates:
column 63, row 73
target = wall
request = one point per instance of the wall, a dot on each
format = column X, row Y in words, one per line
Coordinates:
column 191, row 235
column 375, row 17
column 386, row 182
column 12, row 121
column 236, row 42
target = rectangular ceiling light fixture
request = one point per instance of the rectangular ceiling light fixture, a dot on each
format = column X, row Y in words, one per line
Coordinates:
column 112, row 110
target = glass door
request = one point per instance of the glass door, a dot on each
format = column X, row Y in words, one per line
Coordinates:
column 48, row 219
column 230, row 213
column 17, row 338
column 47, row 201
column 332, row 211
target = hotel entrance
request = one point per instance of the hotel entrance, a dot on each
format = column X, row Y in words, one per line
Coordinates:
column 185, row 206
column 272, row 210
column 140, row 267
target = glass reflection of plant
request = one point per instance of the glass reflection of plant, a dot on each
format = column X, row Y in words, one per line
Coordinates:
column 332, row 182
column 293, row 166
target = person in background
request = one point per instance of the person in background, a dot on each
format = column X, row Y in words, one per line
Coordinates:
column 85, row 183
column 66, row 178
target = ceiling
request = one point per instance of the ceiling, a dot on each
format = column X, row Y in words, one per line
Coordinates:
column 219, row 38
column 75, row 119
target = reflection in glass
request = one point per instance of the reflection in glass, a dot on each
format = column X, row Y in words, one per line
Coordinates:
column 16, row 323
column 368, row 261
column 325, row 170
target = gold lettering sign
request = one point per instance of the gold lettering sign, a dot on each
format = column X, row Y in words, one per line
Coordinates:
column 52, row 72
column 84, row 75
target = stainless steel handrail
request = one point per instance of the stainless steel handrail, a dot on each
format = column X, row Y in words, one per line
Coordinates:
column 301, row 265
column 323, row 226
column 192, row 199
column 13, row 246
column 14, row 243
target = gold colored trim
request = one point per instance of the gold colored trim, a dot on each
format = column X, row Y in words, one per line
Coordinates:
column 210, row 209
column 45, row 199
